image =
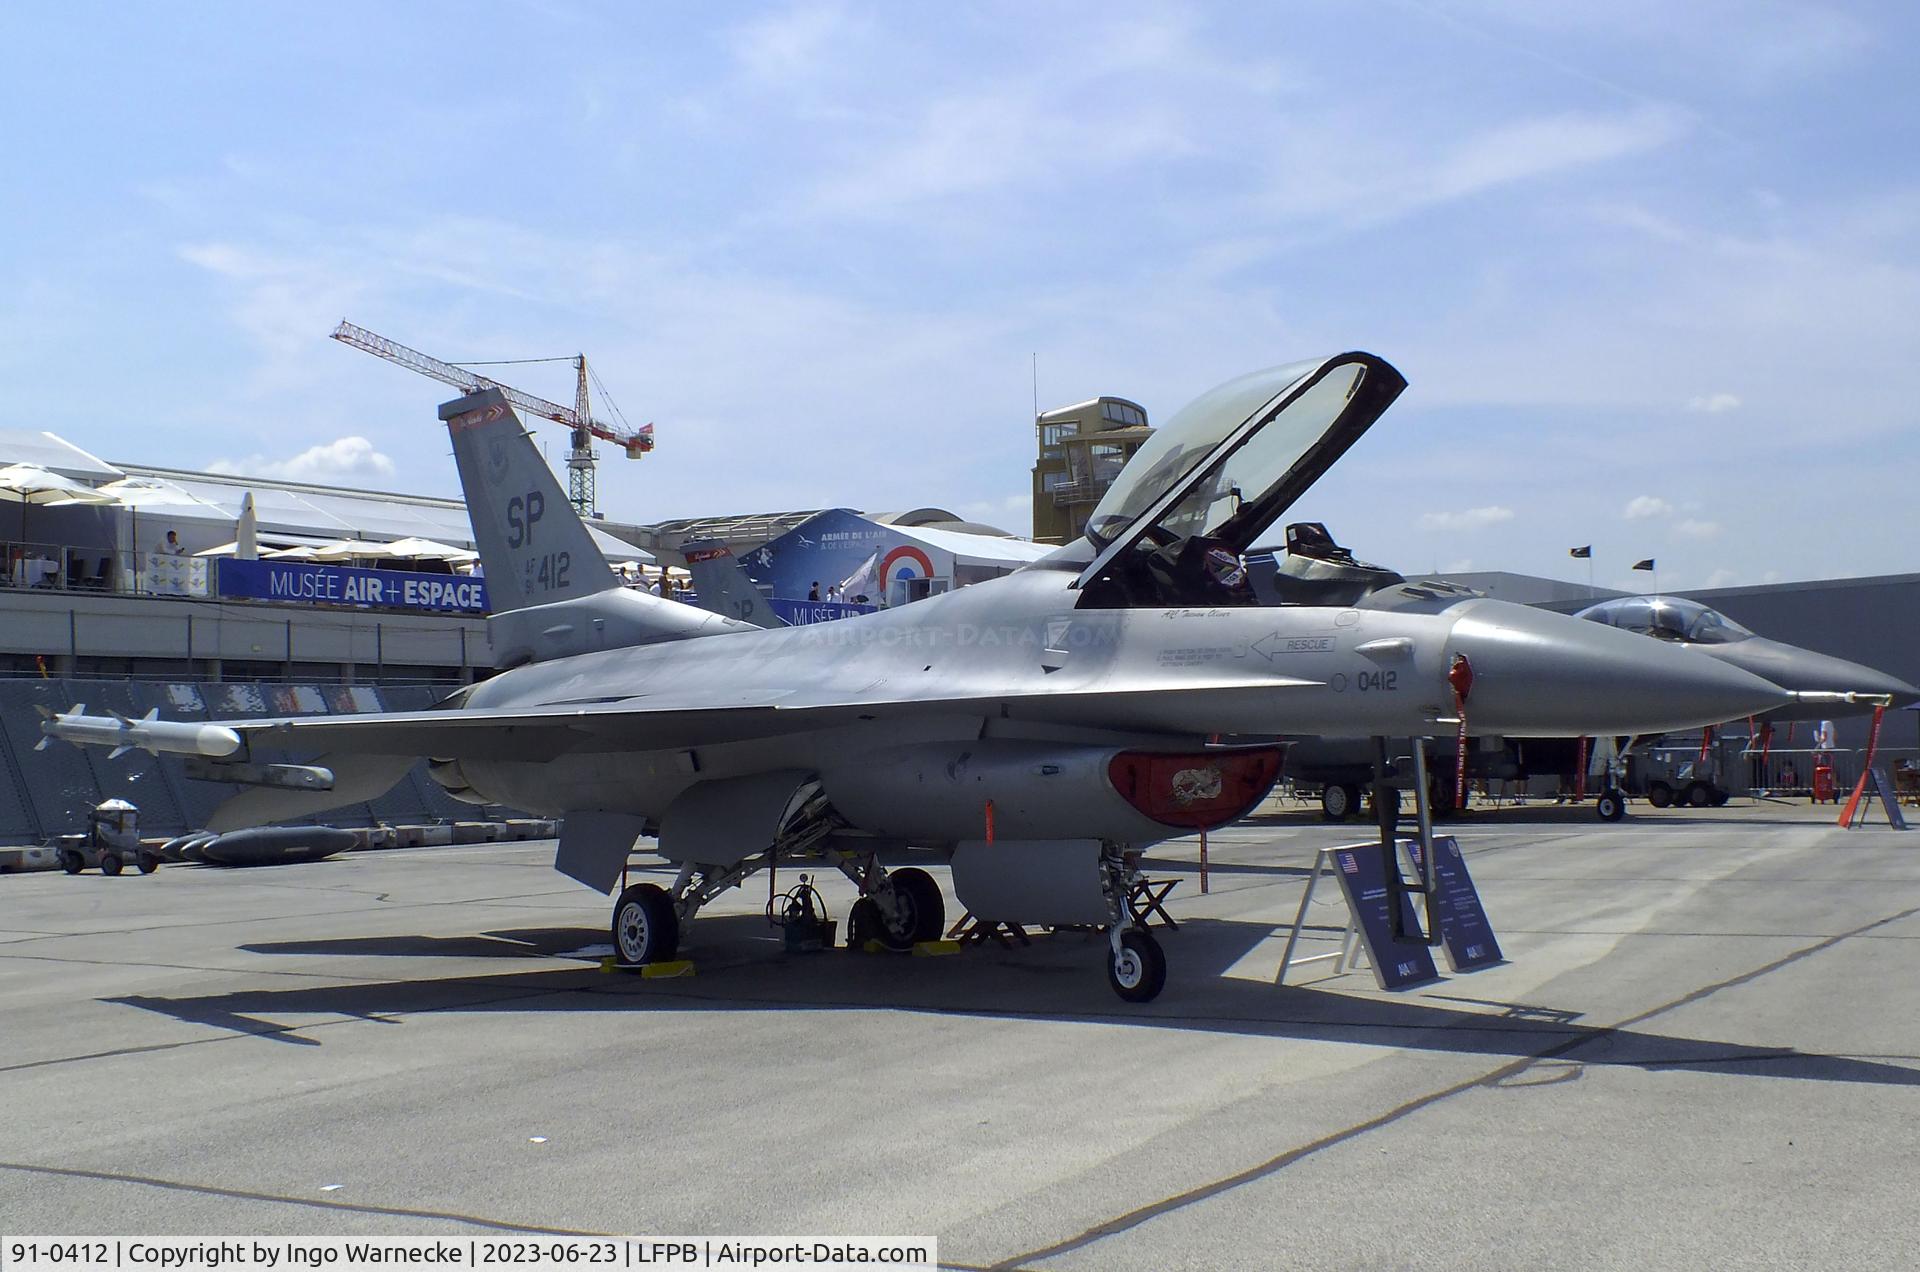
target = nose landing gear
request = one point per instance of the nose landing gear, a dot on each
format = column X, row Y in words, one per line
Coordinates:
column 1137, row 967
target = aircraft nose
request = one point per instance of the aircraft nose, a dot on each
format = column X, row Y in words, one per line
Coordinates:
column 1792, row 667
column 1541, row 674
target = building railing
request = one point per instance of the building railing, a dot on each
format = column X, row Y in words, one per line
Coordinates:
column 26, row 563
column 1073, row 492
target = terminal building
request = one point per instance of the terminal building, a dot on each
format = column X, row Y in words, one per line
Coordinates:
column 129, row 570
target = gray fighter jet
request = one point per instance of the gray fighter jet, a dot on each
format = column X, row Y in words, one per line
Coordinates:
column 1824, row 685
column 1035, row 730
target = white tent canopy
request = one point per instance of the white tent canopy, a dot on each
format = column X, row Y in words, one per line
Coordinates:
column 44, row 450
column 205, row 509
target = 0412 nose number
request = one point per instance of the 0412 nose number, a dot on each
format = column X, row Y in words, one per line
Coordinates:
column 1383, row 681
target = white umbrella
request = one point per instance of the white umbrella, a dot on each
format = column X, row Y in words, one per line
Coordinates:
column 348, row 549
column 302, row 553
column 417, row 549
column 246, row 532
column 32, row 484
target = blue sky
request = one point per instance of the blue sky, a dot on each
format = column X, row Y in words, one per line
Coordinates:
column 1652, row 270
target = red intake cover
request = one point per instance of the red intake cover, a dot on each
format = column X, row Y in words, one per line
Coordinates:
column 1195, row 791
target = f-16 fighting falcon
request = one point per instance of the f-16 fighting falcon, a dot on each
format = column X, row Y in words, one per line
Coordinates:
column 1036, row 730
column 1825, row 685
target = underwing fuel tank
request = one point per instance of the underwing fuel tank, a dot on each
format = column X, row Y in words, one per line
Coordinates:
column 940, row 792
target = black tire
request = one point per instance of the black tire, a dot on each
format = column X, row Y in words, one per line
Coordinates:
column 919, row 911
column 1699, row 795
column 147, row 862
column 1391, row 795
column 1660, row 795
column 646, row 928
column 1338, row 800
column 863, row 920
column 1720, row 797
column 1440, row 796
column 71, row 861
column 109, row 864
column 1610, row 807
column 1139, row 972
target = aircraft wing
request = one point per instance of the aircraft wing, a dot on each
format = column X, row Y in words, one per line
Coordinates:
column 647, row 722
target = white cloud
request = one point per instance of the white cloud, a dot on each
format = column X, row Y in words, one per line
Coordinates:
column 1641, row 507
column 1722, row 578
column 790, row 46
column 1713, row 403
column 1461, row 566
column 1469, row 519
column 1695, row 529
column 345, row 457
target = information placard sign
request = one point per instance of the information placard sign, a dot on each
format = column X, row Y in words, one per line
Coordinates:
column 1888, row 802
column 1363, row 879
column 1465, row 934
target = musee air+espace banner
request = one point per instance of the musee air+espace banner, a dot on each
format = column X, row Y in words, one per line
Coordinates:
column 307, row 583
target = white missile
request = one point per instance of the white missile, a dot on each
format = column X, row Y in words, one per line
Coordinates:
column 149, row 733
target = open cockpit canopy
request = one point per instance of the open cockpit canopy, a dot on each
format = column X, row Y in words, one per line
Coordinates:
column 1668, row 618
column 1222, row 471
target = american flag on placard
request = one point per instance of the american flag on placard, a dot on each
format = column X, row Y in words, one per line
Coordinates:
column 1349, row 863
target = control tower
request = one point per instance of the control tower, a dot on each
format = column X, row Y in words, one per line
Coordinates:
column 1083, row 447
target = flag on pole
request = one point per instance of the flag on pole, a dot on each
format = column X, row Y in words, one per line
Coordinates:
column 1644, row 565
column 1585, row 553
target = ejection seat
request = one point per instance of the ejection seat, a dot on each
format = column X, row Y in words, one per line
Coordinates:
column 1317, row 571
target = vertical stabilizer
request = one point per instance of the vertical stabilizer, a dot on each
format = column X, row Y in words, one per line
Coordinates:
column 535, row 548
column 723, row 587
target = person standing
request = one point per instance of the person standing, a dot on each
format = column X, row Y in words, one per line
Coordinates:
column 813, row 593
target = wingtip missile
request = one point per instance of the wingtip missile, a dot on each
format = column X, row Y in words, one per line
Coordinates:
column 149, row 733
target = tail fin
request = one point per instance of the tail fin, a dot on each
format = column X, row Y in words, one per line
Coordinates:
column 534, row 547
column 722, row 585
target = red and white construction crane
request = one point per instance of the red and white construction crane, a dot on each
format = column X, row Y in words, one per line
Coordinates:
column 581, row 459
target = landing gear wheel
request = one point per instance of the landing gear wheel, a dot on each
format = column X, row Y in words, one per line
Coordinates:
column 1610, row 807
column 1721, row 797
column 1699, row 795
column 1338, row 800
column 71, row 861
column 1138, row 969
column 1440, row 797
column 1660, row 795
column 109, row 864
column 918, row 912
column 863, row 923
column 147, row 862
column 646, row 929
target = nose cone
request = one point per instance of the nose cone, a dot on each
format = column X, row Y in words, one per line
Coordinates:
column 1540, row 674
column 1803, row 670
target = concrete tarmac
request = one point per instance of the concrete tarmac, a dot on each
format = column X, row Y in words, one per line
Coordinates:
column 1704, row 1051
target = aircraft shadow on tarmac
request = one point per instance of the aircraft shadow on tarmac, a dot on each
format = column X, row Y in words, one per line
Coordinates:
column 743, row 968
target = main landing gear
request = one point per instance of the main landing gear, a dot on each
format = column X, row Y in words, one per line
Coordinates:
column 898, row 908
column 903, row 908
